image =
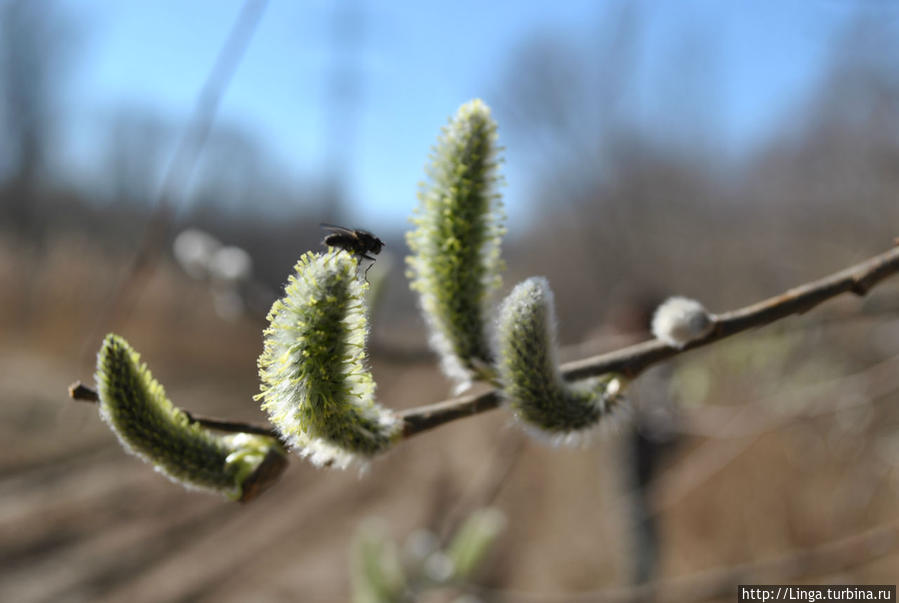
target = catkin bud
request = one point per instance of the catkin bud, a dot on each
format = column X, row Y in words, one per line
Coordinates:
column 679, row 321
column 530, row 373
column 316, row 386
column 456, row 265
column 147, row 424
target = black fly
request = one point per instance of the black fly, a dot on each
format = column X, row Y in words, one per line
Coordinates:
column 354, row 241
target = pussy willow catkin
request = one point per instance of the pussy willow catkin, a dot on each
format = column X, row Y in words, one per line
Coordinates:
column 316, row 386
column 455, row 263
column 150, row 426
column 529, row 371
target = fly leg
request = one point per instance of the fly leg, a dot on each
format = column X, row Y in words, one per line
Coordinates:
column 365, row 275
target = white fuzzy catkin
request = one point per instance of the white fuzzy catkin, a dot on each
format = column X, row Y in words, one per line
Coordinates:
column 680, row 320
column 455, row 263
column 529, row 370
column 316, row 385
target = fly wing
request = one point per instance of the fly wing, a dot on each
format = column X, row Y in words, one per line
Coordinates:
column 336, row 228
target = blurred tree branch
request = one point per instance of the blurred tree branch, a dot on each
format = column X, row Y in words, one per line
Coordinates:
column 629, row 361
column 184, row 160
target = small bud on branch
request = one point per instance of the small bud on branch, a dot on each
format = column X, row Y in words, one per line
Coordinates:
column 680, row 320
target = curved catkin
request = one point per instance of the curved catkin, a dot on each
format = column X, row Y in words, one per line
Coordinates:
column 147, row 424
column 529, row 370
column 316, row 387
column 455, row 263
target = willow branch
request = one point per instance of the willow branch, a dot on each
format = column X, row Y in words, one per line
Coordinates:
column 633, row 360
column 630, row 361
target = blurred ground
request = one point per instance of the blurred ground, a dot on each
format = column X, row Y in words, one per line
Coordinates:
column 82, row 521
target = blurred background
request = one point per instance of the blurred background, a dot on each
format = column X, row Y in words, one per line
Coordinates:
column 164, row 164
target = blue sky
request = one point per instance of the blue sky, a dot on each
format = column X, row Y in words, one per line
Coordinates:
column 419, row 61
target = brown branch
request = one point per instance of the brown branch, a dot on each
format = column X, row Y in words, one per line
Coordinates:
column 629, row 361
column 633, row 360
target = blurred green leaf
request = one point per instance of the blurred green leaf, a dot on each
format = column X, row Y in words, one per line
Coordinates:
column 377, row 573
column 473, row 540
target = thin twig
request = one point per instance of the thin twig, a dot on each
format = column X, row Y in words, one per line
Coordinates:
column 632, row 360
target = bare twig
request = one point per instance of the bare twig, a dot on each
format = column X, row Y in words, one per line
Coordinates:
column 632, row 360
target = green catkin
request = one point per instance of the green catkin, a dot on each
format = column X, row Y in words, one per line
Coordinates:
column 150, row 426
column 529, row 370
column 455, row 263
column 316, row 386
